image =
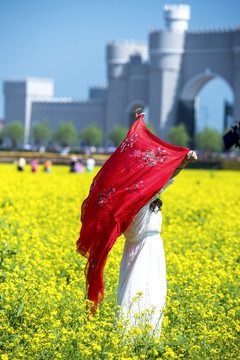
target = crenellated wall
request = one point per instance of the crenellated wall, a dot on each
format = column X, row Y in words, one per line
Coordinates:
column 80, row 113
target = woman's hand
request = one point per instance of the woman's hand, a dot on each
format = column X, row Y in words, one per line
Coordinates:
column 136, row 115
column 190, row 157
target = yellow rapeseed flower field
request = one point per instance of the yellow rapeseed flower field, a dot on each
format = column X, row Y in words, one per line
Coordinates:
column 42, row 291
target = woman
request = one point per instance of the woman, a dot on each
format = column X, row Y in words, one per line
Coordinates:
column 142, row 280
column 139, row 168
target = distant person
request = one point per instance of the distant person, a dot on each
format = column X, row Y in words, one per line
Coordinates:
column 34, row 165
column 48, row 166
column 90, row 164
column 73, row 163
column 79, row 168
column 21, row 163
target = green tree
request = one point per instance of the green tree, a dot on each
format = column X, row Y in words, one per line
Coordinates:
column 178, row 135
column 118, row 134
column 92, row 135
column 41, row 132
column 208, row 140
column 15, row 132
column 66, row 134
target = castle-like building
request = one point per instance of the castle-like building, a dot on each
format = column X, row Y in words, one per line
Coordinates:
column 164, row 75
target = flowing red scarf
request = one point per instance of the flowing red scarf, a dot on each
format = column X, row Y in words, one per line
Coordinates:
column 134, row 173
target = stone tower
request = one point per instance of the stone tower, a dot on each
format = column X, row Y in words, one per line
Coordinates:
column 166, row 49
column 19, row 96
column 148, row 74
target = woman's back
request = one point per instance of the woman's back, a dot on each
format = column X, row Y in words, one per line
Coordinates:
column 144, row 224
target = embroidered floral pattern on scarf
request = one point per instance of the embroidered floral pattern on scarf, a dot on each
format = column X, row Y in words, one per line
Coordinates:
column 128, row 142
column 135, row 187
column 105, row 196
column 152, row 157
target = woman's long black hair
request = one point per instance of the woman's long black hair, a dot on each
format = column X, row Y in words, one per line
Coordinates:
column 155, row 205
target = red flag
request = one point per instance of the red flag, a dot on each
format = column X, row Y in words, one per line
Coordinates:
column 134, row 173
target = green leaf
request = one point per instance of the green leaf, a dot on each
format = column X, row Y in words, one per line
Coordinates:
column 20, row 309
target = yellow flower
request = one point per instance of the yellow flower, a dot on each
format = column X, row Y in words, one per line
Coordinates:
column 4, row 357
column 43, row 283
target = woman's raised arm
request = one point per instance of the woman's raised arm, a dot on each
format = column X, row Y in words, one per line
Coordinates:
column 190, row 157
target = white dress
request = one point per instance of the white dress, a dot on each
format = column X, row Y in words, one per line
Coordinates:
column 143, row 269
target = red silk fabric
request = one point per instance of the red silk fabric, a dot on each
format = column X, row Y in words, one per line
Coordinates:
column 134, row 173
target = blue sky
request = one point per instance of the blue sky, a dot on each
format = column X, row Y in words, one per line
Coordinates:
column 65, row 41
